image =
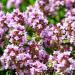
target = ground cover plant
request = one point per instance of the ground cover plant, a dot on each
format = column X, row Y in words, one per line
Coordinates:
column 37, row 37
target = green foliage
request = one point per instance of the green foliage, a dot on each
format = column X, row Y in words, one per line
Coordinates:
column 1, row 50
column 55, row 73
column 73, row 53
column 32, row 1
column 48, row 50
column 58, row 17
column 30, row 30
column 65, row 41
column 7, row 72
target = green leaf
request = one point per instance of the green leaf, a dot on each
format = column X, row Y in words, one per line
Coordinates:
column 48, row 50
column 1, row 72
column 4, row 2
column 23, row 6
column 1, row 50
column 30, row 30
column 73, row 53
column 65, row 41
column 55, row 73
column 32, row 1
column 61, row 12
column 7, row 73
column 51, row 19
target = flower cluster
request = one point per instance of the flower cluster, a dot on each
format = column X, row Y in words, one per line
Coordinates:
column 35, row 18
column 31, row 60
column 18, row 36
column 69, row 3
column 3, row 27
column 14, row 18
column 49, row 7
column 62, row 62
column 26, row 52
column 62, row 32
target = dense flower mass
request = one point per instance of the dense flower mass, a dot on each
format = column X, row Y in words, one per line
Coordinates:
column 61, row 32
column 3, row 27
column 35, row 18
column 49, row 7
column 34, row 46
column 14, row 18
column 27, row 60
column 18, row 35
column 62, row 62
